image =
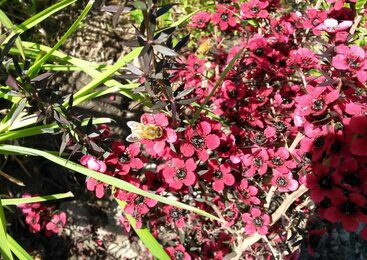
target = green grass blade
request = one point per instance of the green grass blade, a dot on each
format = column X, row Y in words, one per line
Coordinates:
column 17, row 249
column 4, row 148
column 4, row 19
column 146, row 237
column 36, row 67
column 17, row 201
column 4, row 245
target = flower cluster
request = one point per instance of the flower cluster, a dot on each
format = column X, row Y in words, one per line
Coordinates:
column 40, row 217
column 290, row 112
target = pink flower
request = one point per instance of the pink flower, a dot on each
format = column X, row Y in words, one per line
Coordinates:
column 92, row 163
column 178, row 252
column 256, row 222
column 199, row 140
column 200, row 20
column 257, row 162
column 57, row 222
column 136, row 204
column 179, row 173
column 28, row 207
column 284, row 181
column 224, row 17
column 220, row 175
column 279, row 160
column 254, row 9
column 33, row 221
column 332, row 26
column 96, row 186
column 357, row 132
column 304, row 58
column 247, row 193
column 174, row 215
column 124, row 157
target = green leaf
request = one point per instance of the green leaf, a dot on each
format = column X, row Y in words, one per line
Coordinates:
column 17, row 249
column 146, row 237
column 4, row 245
column 360, row 5
column 36, row 67
column 17, row 201
column 4, row 148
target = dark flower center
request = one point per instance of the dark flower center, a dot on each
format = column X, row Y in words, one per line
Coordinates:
column 354, row 62
column 245, row 194
column 258, row 161
column 352, row 179
column 325, row 203
column 260, row 139
column 259, row 51
column 277, row 160
column 307, row 157
column 175, row 213
column 336, row 147
column 318, row 104
column 197, row 141
column 349, row 208
column 224, row 17
column 196, row 65
column 255, row 9
column 179, row 255
column 200, row 21
column 319, row 142
column 218, row 174
column 325, row 182
column 181, row 173
column 139, row 200
column 279, row 126
column 124, row 158
column 233, row 93
column 286, row 100
column 258, row 221
column 281, row 182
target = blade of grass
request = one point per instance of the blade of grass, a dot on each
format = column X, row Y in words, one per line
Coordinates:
column 4, row 148
column 17, row 249
column 4, row 245
column 146, row 237
column 36, row 67
column 17, row 201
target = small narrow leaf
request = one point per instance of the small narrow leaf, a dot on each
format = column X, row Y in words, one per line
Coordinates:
column 164, row 50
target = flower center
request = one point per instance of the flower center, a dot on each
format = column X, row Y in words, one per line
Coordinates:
column 336, row 147
column 279, row 126
column 175, row 213
column 259, row 51
column 277, row 160
column 197, row 141
column 319, row 142
column 139, row 200
column 224, row 17
column 179, row 255
column 352, row 179
column 258, row 161
column 260, row 139
column 325, row 182
column 218, row 174
column 124, row 158
column 181, row 173
column 255, row 9
column 233, row 93
column 258, row 221
column 318, row 104
column 282, row 182
column 349, row 208
column 354, row 62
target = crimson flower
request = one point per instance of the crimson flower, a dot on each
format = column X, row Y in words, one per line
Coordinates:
column 179, row 173
column 224, row 17
column 178, row 252
column 256, row 221
column 357, row 132
column 220, row 175
column 57, row 222
column 97, row 165
column 352, row 59
column 331, row 25
column 254, row 9
column 28, row 207
column 136, row 204
column 279, row 160
column 124, row 157
column 174, row 215
column 200, row 20
column 304, row 58
column 257, row 162
column 247, row 193
column 33, row 221
column 284, row 181
column 347, row 211
column 199, row 140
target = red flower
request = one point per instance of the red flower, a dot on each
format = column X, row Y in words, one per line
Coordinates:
column 33, row 221
column 247, row 193
column 284, row 181
column 357, row 131
column 254, row 9
column 92, row 163
column 220, row 175
column 352, row 59
column 224, row 17
column 179, row 173
column 332, row 26
column 174, row 215
column 279, row 160
column 96, row 186
column 257, row 162
column 178, row 252
column 57, row 222
column 200, row 20
column 346, row 210
column 304, row 58
column 199, row 140
column 28, row 207
column 124, row 157
column 256, row 222
column 136, row 204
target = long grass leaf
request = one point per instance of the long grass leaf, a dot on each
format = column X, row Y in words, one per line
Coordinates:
column 4, row 246
column 17, row 249
column 17, row 201
column 4, row 148
column 146, row 237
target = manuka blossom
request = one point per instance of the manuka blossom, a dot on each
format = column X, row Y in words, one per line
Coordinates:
column 284, row 181
column 179, row 172
column 257, row 162
column 57, row 222
column 254, row 9
column 97, row 165
column 353, row 59
column 256, row 221
column 136, row 204
column 224, row 18
column 199, row 140
column 279, row 160
column 220, row 175
column 247, row 193
column 178, row 252
column 28, row 207
column 200, row 20
column 33, row 221
column 174, row 215
column 304, row 58
column 125, row 158
column 357, row 133
column 331, row 25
